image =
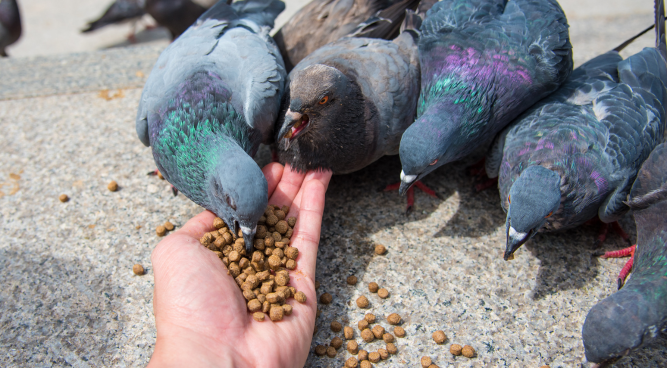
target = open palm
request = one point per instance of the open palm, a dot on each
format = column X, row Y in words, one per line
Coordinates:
column 200, row 313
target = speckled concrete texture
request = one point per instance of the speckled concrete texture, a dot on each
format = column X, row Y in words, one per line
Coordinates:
column 69, row 297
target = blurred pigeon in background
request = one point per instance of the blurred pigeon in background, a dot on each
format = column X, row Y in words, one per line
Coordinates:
column 213, row 96
column 348, row 103
column 10, row 24
column 119, row 11
column 322, row 21
column 175, row 15
column 636, row 314
column 483, row 62
column 575, row 155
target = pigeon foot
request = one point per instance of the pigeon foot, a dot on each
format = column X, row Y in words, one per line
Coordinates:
column 477, row 169
column 156, row 172
column 411, row 193
column 625, row 271
column 604, row 230
column 486, row 184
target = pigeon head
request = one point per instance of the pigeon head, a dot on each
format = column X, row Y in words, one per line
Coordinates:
column 204, row 149
column 238, row 193
column 426, row 145
column 533, row 198
column 620, row 323
column 322, row 118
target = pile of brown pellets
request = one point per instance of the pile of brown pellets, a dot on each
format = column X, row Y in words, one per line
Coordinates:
column 263, row 276
column 362, row 358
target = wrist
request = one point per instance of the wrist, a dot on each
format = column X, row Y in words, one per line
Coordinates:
column 185, row 351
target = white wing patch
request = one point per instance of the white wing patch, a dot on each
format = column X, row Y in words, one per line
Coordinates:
column 600, row 110
column 581, row 98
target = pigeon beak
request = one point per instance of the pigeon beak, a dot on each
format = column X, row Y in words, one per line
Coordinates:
column 406, row 182
column 515, row 239
column 248, row 239
column 292, row 120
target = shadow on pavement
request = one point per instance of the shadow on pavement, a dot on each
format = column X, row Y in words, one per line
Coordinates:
column 566, row 257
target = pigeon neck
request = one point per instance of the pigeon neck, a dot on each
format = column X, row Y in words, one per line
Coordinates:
column 192, row 141
column 465, row 103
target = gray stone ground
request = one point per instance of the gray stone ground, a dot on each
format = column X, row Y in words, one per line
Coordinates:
column 69, row 298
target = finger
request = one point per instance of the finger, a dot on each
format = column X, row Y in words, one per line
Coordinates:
column 273, row 172
column 287, row 189
column 322, row 176
column 198, row 225
column 306, row 235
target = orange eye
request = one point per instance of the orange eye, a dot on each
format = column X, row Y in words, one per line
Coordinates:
column 550, row 213
column 324, row 100
column 434, row 162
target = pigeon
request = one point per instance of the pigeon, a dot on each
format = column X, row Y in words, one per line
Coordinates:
column 213, row 96
column 635, row 315
column 118, row 12
column 483, row 62
column 575, row 154
column 175, row 15
column 322, row 21
column 10, row 24
column 348, row 103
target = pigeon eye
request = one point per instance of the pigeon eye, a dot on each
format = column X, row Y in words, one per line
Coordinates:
column 230, row 202
column 324, row 100
column 550, row 213
column 509, row 199
column 434, row 162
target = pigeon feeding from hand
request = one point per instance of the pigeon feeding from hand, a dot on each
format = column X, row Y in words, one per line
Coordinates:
column 483, row 62
column 10, row 24
column 213, row 96
column 322, row 21
column 635, row 315
column 348, row 103
column 575, row 155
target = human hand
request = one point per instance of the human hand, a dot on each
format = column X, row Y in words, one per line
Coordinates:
column 200, row 312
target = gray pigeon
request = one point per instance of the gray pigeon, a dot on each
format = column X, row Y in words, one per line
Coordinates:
column 483, row 62
column 575, row 155
column 635, row 315
column 322, row 21
column 118, row 12
column 175, row 15
column 211, row 99
column 347, row 104
column 10, row 24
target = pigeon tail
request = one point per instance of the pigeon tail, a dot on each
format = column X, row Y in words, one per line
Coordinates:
column 411, row 24
column 386, row 23
column 262, row 12
column 660, row 28
column 625, row 43
column 119, row 11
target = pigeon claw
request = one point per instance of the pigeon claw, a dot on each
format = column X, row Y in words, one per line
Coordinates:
column 174, row 190
column 411, row 201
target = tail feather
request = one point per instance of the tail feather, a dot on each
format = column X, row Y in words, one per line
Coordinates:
column 262, row 12
column 631, row 39
column 385, row 24
column 660, row 28
column 412, row 22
